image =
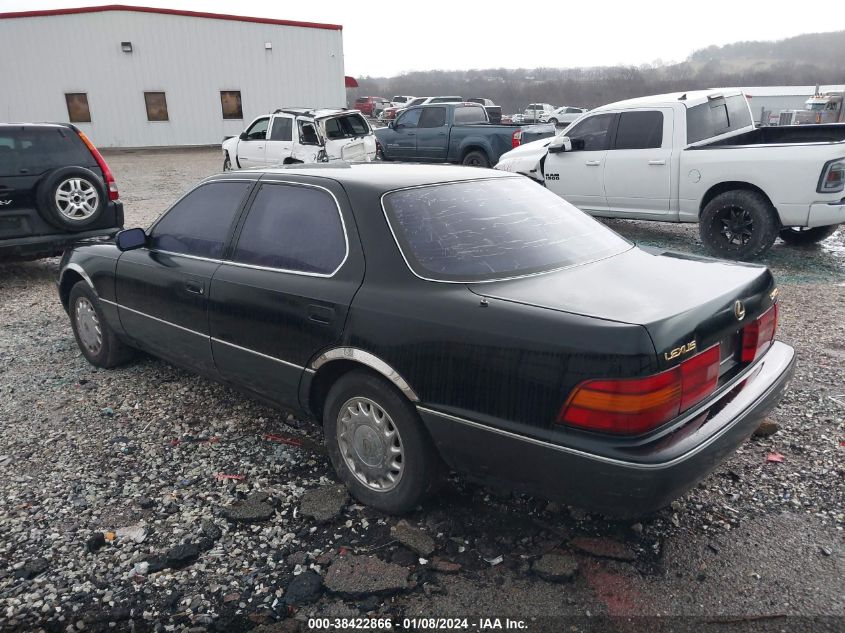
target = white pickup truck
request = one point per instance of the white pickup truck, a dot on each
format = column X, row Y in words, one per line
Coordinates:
column 697, row 157
column 299, row 135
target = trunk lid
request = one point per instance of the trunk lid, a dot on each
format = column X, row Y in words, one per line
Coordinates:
column 686, row 303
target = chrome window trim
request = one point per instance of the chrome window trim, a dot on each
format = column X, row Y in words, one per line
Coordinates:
column 370, row 360
column 476, row 281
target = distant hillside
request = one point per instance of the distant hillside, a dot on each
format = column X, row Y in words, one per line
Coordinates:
column 803, row 60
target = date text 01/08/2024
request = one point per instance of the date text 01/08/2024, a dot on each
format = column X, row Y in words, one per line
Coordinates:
column 418, row 624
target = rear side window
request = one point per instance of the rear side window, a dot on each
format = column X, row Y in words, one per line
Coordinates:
column 493, row 229
column 432, row 117
column 470, row 114
column 38, row 149
column 199, row 224
column 298, row 229
column 282, row 129
column 717, row 116
column 349, row 126
column 640, row 130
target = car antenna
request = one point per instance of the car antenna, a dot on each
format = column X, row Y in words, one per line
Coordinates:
column 683, row 97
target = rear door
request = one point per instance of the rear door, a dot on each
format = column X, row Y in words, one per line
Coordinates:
column 637, row 173
column 578, row 175
column 286, row 291
column 433, row 134
column 251, row 147
column 162, row 290
column 279, row 145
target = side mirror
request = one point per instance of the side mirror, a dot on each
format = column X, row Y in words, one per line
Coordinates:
column 560, row 144
column 242, row 136
column 130, row 239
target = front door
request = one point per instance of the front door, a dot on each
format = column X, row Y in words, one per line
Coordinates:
column 638, row 166
column 251, row 146
column 578, row 175
column 433, row 134
column 401, row 142
column 286, row 291
column 162, row 290
column 279, row 145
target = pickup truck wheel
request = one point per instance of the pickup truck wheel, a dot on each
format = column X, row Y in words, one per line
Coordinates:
column 476, row 159
column 96, row 340
column 799, row 236
column 227, row 162
column 377, row 443
column 738, row 224
column 71, row 198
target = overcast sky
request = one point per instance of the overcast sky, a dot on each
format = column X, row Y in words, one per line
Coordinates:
column 388, row 37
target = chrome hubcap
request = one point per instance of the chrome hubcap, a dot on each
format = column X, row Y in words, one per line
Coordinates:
column 77, row 199
column 370, row 444
column 88, row 326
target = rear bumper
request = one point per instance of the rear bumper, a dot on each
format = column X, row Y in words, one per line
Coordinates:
column 649, row 479
column 825, row 214
column 38, row 246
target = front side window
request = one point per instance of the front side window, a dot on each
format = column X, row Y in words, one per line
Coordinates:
column 470, row 114
column 493, row 229
column 282, row 129
column 293, row 228
column 591, row 134
column 200, row 223
column 77, row 107
column 230, row 101
column 409, row 119
column 640, row 130
column 258, row 130
column 156, row 103
column 433, row 117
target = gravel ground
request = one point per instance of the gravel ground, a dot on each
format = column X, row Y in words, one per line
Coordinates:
column 146, row 498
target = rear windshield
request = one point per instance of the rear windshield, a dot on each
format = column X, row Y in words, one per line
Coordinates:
column 482, row 230
column 348, row 126
column 470, row 114
column 399, row 99
column 445, row 100
column 37, row 149
column 717, row 116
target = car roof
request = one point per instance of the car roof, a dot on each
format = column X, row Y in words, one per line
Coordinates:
column 690, row 99
column 24, row 124
column 379, row 176
column 314, row 112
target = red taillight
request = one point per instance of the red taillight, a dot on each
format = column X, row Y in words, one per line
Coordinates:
column 111, row 185
column 759, row 334
column 631, row 406
column 516, row 139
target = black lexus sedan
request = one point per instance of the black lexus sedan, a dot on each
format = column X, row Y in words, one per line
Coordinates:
column 435, row 316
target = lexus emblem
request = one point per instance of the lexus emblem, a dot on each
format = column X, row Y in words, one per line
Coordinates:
column 739, row 310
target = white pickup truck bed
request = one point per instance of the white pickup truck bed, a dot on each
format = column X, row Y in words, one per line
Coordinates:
column 697, row 157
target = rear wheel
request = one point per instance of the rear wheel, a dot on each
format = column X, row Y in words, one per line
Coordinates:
column 802, row 236
column 377, row 443
column 476, row 158
column 738, row 224
column 96, row 340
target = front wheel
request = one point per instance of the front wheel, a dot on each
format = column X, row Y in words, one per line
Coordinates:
column 96, row 340
column 227, row 163
column 476, row 159
column 740, row 224
column 377, row 443
column 553, row 122
column 802, row 236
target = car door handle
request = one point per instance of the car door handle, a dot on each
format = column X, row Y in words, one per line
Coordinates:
column 593, row 163
column 195, row 287
column 320, row 314
column 657, row 162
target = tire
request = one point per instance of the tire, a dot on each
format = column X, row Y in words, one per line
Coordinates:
column 71, row 198
column 96, row 340
column 739, row 224
column 394, row 490
column 795, row 236
column 475, row 158
column 553, row 122
column 227, row 162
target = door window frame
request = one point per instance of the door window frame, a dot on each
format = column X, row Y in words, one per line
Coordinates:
column 253, row 124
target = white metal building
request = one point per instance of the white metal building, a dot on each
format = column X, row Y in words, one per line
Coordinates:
column 142, row 77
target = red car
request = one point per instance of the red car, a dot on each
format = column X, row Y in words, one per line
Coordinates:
column 371, row 106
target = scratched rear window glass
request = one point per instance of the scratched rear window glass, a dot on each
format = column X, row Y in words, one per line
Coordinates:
column 493, row 229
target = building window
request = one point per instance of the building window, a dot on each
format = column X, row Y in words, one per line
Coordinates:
column 231, row 102
column 77, row 107
column 156, row 106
